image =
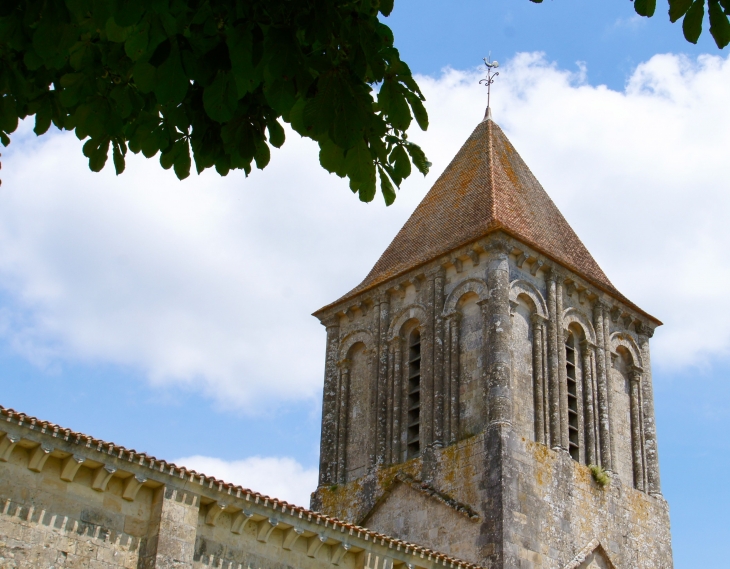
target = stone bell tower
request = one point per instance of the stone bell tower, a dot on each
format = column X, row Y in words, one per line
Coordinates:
column 488, row 391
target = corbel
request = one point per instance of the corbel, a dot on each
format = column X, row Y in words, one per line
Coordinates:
column 536, row 266
column 7, row 445
column 474, row 256
column 213, row 513
column 290, row 537
column 350, row 313
column 70, row 466
column 512, row 307
column 102, row 476
column 364, row 306
column 458, row 265
column 265, row 528
column 132, row 486
column 522, row 256
column 240, row 521
column 627, row 319
column 339, row 553
column 583, row 296
column 314, row 544
column 570, row 288
column 38, row 457
column 418, row 281
column 615, row 313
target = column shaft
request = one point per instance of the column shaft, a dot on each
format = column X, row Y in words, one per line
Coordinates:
column 438, row 361
column 328, row 442
column 382, row 397
column 455, row 385
column 342, row 423
column 609, row 391
column 390, row 409
column 427, row 372
column 499, row 362
column 537, row 378
column 588, row 399
column 636, row 430
column 602, row 386
column 397, row 393
column 553, row 365
column 653, row 482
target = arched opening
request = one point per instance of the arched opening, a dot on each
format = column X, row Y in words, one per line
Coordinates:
column 414, row 394
column 472, row 412
column 523, row 369
column 358, row 411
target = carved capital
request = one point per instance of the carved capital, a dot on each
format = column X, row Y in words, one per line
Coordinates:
column 587, row 347
column 538, row 318
column 498, row 247
column 344, row 365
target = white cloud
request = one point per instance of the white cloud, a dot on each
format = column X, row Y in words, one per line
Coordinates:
column 209, row 283
column 278, row 477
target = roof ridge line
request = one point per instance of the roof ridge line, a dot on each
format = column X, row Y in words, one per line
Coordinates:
column 490, row 170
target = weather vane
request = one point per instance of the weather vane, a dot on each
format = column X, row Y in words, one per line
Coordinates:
column 491, row 74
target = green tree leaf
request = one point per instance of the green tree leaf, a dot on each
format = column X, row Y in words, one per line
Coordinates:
column 692, row 23
column 361, row 171
column 719, row 25
column 118, row 157
column 419, row 158
column 182, row 161
column 645, row 7
column 276, row 133
column 220, row 99
column 386, row 187
column 332, row 157
column 678, row 8
column 171, row 84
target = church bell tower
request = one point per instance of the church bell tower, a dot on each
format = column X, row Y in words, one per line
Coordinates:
column 488, row 391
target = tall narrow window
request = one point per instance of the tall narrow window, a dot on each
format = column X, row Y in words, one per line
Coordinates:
column 570, row 362
column 414, row 394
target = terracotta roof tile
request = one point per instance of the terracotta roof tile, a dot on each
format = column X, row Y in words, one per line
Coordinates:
column 486, row 187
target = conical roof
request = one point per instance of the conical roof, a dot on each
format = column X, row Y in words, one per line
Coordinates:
column 486, row 187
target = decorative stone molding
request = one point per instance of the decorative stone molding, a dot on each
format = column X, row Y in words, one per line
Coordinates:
column 475, row 285
column 521, row 287
column 412, row 311
column 573, row 316
column 356, row 336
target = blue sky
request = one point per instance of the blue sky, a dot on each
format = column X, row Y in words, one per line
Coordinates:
column 174, row 317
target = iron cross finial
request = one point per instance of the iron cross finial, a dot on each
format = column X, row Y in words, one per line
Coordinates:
column 489, row 79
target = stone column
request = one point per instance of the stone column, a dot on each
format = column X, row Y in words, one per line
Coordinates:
column 499, row 361
column 609, row 392
column 438, row 361
column 344, row 404
column 537, row 377
column 587, row 350
column 653, row 482
column 427, row 371
column 637, row 453
column 382, row 382
column 170, row 541
column 454, row 376
column 602, row 370
column 397, row 351
column 390, row 409
column 328, row 442
column 553, row 363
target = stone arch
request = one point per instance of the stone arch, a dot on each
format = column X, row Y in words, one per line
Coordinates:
column 410, row 312
column 626, row 341
column 520, row 287
column 354, row 337
column 477, row 286
column 573, row 316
